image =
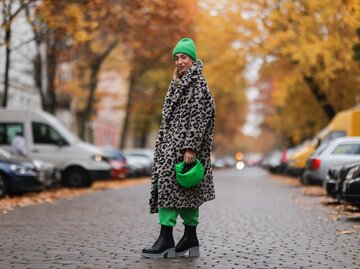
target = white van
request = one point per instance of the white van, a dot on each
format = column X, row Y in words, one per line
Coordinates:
column 47, row 139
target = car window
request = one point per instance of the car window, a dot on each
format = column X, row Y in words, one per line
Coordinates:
column 320, row 149
column 139, row 155
column 8, row 132
column 44, row 134
column 335, row 134
column 119, row 157
column 349, row 148
column 115, row 155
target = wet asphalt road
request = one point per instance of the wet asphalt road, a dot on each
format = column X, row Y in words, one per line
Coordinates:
column 253, row 223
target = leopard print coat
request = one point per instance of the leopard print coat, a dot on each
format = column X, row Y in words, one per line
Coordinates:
column 188, row 118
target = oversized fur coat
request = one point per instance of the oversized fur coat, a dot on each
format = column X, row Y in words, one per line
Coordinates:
column 188, row 118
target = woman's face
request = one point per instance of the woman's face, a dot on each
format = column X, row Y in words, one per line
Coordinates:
column 183, row 62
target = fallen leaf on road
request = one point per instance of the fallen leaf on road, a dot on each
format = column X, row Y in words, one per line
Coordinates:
column 346, row 232
column 338, row 211
column 313, row 191
column 8, row 204
column 287, row 180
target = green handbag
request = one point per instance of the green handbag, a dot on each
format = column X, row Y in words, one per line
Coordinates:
column 192, row 177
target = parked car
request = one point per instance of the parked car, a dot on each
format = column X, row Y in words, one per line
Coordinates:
column 135, row 167
column 18, row 176
column 351, row 187
column 252, row 159
column 117, row 162
column 345, row 123
column 219, row 162
column 47, row 173
column 230, row 161
column 48, row 140
column 272, row 161
column 335, row 179
column 340, row 151
column 285, row 156
column 140, row 161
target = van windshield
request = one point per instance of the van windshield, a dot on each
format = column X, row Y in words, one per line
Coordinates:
column 63, row 131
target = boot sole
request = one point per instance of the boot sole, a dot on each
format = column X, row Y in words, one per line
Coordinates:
column 169, row 253
column 193, row 252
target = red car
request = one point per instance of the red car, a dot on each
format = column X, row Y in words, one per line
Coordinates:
column 117, row 162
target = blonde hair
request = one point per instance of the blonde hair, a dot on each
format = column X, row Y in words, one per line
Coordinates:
column 177, row 75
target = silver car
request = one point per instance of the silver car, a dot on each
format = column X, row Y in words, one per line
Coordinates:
column 140, row 159
column 339, row 151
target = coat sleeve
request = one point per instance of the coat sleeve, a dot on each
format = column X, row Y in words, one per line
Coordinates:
column 201, row 111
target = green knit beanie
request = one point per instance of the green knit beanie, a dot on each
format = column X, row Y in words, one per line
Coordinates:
column 186, row 46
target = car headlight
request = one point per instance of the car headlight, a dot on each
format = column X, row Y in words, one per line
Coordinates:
column 22, row 169
column 99, row 158
column 38, row 164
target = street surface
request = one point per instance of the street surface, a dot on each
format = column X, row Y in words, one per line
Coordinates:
column 253, row 223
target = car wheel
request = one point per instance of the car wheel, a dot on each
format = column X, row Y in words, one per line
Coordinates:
column 76, row 177
column 4, row 188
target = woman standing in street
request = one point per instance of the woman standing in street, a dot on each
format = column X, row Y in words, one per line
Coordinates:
column 186, row 134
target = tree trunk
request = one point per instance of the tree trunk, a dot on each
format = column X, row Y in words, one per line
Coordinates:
column 7, row 59
column 50, row 95
column 320, row 97
column 144, row 133
column 85, row 115
column 356, row 48
column 144, row 66
column 7, row 21
column 7, row 63
column 37, row 65
column 37, row 61
column 126, row 126
column 93, row 81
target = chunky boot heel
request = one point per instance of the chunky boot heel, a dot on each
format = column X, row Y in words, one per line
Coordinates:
column 164, row 247
column 188, row 243
column 170, row 253
column 194, row 252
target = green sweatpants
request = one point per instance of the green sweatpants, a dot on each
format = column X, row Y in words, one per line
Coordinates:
column 168, row 216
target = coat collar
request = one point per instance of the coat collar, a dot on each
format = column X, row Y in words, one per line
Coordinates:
column 194, row 71
column 176, row 90
column 190, row 76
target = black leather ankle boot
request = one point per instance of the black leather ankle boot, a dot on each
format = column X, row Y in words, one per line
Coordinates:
column 189, row 242
column 164, row 246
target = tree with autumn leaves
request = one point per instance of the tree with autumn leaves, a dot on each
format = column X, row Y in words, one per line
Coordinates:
column 84, row 33
column 10, row 12
column 308, row 51
column 224, row 70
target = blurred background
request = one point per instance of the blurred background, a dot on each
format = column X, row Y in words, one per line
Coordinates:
column 279, row 70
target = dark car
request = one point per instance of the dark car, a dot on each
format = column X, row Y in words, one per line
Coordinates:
column 336, row 176
column 17, row 177
column 335, row 179
column 47, row 173
column 351, row 187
